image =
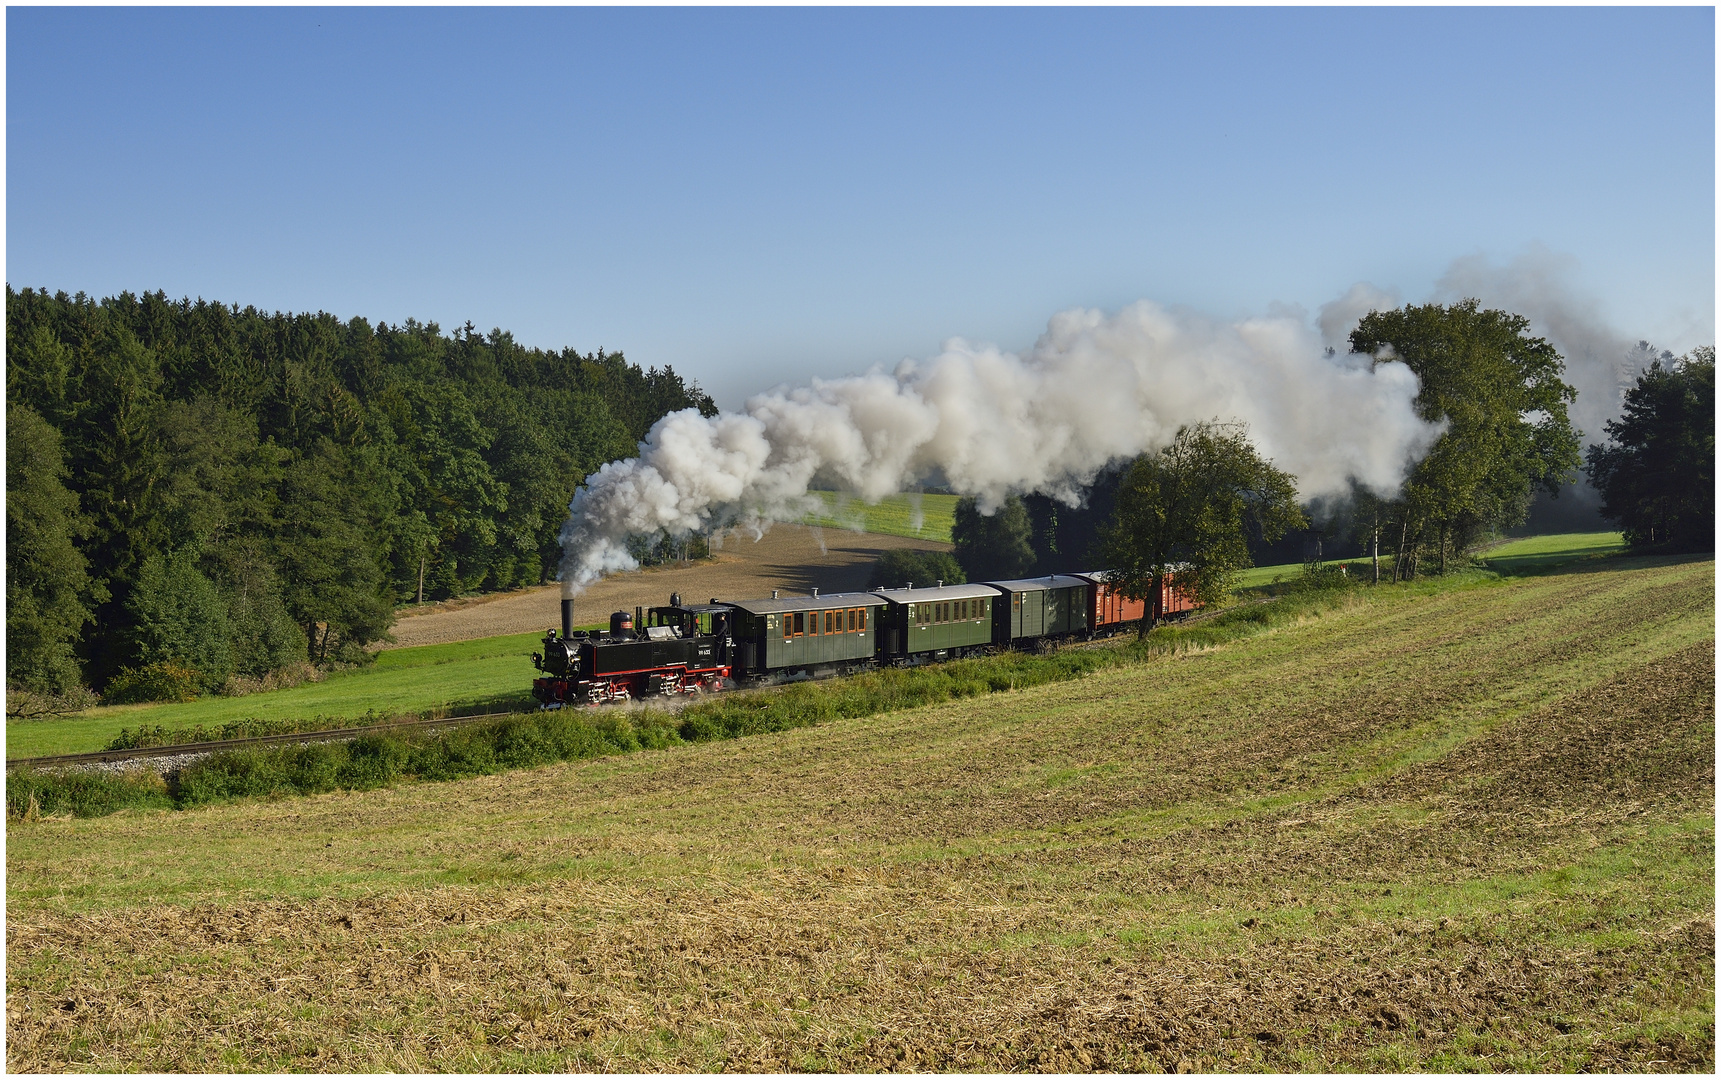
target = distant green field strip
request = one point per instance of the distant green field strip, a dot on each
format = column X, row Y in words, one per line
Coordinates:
column 1514, row 557
column 462, row 674
column 1266, row 575
column 921, row 517
column 1537, row 552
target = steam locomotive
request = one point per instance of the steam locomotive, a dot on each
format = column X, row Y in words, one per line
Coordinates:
column 696, row 648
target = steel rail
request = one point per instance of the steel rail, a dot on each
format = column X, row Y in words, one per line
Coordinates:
column 210, row 747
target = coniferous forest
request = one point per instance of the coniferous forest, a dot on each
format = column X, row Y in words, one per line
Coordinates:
column 213, row 491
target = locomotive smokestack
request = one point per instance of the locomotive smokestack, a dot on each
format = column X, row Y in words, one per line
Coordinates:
column 567, row 617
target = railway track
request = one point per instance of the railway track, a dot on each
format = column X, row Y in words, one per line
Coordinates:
column 330, row 735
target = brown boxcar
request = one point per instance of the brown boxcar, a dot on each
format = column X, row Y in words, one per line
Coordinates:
column 1110, row 611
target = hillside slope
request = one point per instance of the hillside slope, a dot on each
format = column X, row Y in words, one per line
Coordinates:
column 1466, row 830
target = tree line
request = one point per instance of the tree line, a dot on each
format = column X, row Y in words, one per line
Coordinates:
column 233, row 490
column 1207, row 501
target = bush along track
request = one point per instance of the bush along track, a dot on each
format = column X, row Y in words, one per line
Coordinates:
column 531, row 739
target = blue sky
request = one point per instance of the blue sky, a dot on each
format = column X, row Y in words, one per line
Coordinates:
column 761, row 195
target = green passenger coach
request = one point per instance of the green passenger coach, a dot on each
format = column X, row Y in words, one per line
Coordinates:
column 938, row 622
column 806, row 636
column 1050, row 606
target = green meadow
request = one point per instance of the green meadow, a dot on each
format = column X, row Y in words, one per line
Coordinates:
column 1524, row 556
column 919, row 517
column 461, row 675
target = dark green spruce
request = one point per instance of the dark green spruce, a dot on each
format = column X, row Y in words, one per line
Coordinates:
column 232, row 490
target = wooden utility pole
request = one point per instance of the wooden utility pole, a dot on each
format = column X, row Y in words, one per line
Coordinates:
column 421, row 579
column 1374, row 552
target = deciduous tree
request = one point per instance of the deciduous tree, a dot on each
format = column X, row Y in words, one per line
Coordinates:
column 900, row 567
column 1187, row 508
column 1498, row 391
column 1656, row 473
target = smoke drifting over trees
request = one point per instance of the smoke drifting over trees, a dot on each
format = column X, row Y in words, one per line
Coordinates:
column 1093, row 390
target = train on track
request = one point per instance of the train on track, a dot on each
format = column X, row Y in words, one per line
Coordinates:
column 696, row 648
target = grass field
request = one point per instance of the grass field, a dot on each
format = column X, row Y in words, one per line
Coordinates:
column 1449, row 829
column 471, row 674
column 922, row 517
column 465, row 674
column 1526, row 556
column 1534, row 553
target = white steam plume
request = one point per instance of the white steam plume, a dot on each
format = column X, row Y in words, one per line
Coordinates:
column 1601, row 362
column 1094, row 389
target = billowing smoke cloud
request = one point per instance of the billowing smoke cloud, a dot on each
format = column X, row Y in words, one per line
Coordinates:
column 1092, row 390
column 1601, row 363
column 1339, row 317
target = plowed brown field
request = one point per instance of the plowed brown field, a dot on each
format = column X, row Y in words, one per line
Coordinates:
column 1472, row 830
column 793, row 558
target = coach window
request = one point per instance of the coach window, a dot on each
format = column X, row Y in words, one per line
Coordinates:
column 860, row 624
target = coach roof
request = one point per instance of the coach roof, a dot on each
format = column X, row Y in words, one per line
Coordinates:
column 806, row 603
column 1040, row 584
column 974, row 591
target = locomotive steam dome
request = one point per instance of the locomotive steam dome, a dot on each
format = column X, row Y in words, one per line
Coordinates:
column 621, row 623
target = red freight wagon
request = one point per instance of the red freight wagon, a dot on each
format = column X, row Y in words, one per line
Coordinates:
column 1110, row 611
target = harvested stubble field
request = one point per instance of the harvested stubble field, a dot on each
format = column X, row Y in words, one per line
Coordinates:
column 1463, row 829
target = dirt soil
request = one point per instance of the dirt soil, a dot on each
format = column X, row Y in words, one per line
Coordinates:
column 793, row 558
